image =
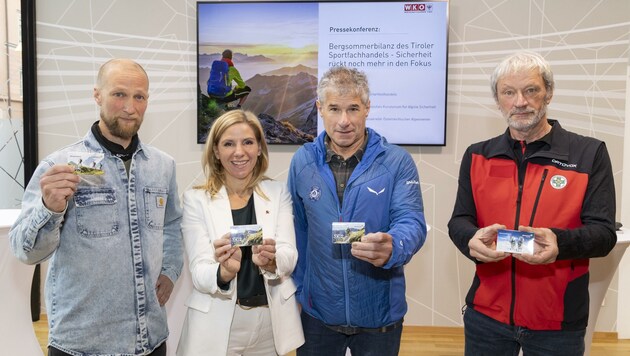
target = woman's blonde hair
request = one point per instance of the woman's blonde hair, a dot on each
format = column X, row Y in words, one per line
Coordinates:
column 212, row 167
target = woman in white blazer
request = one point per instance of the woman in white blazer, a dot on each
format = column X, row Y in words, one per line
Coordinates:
column 259, row 315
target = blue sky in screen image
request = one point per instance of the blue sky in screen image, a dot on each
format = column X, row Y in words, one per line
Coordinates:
column 253, row 24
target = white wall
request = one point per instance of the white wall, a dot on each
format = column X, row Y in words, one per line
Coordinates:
column 623, row 321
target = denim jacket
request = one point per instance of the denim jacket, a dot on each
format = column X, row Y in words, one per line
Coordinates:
column 118, row 233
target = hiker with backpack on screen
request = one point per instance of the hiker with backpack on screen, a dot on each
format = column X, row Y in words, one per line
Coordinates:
column 222, row 74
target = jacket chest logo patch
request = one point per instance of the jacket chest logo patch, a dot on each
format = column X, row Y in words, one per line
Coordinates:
column 558, row 181
column 315, row 193
column 160, row 202
column 374, row 191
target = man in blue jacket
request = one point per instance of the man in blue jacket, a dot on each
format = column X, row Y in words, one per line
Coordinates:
column 353, row 295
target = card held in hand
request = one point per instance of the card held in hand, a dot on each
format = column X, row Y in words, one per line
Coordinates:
column 347, row 232
column 513, row 241
column 246, row 235
column 86, row 163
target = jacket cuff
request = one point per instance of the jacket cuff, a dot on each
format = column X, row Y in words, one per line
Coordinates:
column 398, row 246
column 42, row 219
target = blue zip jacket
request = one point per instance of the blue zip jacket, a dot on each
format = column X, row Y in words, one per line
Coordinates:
column 384, row 193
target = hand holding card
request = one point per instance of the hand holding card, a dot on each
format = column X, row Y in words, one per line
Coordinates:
column 58, row 185
column 545, row 246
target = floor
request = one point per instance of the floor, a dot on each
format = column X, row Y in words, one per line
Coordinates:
column 435, row 341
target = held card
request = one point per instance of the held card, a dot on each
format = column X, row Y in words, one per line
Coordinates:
column 347, row 232
column 86, row 163
column 246, row 235
column 513, row 241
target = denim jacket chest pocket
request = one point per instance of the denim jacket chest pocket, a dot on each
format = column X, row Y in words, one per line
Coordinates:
column 96, row 212
column 155, row 206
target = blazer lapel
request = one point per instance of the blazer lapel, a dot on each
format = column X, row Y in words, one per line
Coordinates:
column 264, row 215
column 219, row 217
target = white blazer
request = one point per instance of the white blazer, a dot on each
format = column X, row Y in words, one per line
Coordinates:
column 206, row 329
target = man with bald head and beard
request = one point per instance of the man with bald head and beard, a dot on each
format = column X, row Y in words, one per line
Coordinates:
column 112, row 237
column 541, row 179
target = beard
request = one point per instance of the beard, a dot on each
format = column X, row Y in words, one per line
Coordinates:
column 525, row 125
column 124, row 132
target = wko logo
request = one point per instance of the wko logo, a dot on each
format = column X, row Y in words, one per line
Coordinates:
column 418, row 7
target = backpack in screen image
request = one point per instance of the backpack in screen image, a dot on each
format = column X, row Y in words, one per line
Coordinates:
column 218, row 81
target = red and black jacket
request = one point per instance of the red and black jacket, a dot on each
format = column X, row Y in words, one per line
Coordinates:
column 565, row 184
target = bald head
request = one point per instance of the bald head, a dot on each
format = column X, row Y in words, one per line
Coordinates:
column 122, row 92
column 122, row 64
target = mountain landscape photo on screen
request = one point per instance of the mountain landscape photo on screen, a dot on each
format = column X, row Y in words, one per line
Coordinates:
column 274, row 48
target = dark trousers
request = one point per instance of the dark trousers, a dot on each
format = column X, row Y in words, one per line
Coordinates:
column 486, row 336
column 235, row 95
column 322, row 340
column 160, row 351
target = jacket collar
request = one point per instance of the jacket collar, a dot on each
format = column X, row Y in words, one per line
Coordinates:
column 557, row 144
column 375, row 145
column 91, row 143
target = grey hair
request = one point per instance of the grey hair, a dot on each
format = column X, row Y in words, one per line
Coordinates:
column 523, row 61
column 344, row 81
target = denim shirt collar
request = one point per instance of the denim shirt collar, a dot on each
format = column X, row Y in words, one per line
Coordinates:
column 92, row 144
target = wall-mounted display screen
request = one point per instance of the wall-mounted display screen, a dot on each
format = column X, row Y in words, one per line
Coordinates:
column 279, row 50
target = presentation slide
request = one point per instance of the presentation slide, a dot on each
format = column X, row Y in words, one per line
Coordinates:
column 280, row 50
column 402, row 49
